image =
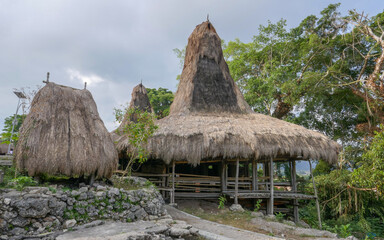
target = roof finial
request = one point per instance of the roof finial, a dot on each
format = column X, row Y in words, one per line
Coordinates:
column 207, row 17
column 85, row 85
column 47, row 81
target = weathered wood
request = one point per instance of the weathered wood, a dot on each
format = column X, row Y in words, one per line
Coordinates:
column 6, row 157
column 202, row 195
column 173, row 183
column 270, row 206
column 223, row 176
column 237, row 182
column 8, row 163
column 267, row 195
column 316, row 197
column 294, row 189
column 255, row 184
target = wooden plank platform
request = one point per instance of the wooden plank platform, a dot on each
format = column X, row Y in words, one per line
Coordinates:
column 264, row 194
column 194, row 195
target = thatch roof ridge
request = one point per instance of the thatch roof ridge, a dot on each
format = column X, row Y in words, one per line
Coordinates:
column 212, row 88
column 63, row 134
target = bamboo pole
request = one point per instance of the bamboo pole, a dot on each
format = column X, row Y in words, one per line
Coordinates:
column 237, row 182
column 271, row 200
column 315, row 191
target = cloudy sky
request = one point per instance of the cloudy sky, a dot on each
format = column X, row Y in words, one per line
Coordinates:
column 113, row 45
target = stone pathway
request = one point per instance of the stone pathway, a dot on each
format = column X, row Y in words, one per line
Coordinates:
column 216, row 231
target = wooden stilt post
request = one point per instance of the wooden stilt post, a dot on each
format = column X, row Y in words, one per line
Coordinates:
column 223, row 176
column 271, row 200
column 173, row 183
column 237, row 182
column 315, row 191
column 294, row 189
column 255, row 185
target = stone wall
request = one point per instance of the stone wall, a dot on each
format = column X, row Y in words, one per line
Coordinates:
column 37, row 210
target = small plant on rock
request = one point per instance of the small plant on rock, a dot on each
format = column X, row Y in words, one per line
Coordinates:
column 257, row 205
column 222, row 201
column 280, row 216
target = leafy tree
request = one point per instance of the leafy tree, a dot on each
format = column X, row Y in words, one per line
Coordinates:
column 6, row 132
column 370, row 172
column 161, row 100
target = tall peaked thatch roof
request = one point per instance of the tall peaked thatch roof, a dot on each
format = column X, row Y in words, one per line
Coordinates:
column 140, row 99
column 209, row 117
column 63, row 134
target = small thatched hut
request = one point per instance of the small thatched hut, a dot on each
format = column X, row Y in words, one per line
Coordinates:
column 140, row 101
column 210, row 121
column 63, row 134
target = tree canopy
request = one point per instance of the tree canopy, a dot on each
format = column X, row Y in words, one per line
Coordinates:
column 161, row 100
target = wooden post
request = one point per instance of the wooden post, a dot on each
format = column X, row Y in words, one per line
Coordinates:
column 237, row 182
column 265, row 174
column 173, row 183
column 317, row 199
column 294, row 189
column 255, row 185
column 271, row 200
column 223, row 175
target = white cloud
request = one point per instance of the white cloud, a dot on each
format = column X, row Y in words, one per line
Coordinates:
column 91, row 79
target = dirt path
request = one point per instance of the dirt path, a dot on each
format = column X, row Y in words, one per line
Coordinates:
column 213, row 230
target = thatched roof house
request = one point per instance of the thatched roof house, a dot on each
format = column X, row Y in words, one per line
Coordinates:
column 63, row 134
column 209, row 118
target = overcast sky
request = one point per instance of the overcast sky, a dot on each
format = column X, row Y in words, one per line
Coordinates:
column 114, row 44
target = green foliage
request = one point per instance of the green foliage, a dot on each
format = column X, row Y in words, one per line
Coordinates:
column 7, row 129
column 280, row 216
column 322, row 168
column 20, row 182
column 370, row 171
column 222, row 201
column 257, row 205
column 343, row 230
column 161, row 100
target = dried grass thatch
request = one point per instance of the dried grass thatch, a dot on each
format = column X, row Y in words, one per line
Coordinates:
column 63, row 134
column 210, row 119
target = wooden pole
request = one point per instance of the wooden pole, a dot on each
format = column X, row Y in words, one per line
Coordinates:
column 223, row 175
column 255, row 185
column 271, row 200
column 317, row 199
column 173, row 183
column 294, row 189
column 237, row 182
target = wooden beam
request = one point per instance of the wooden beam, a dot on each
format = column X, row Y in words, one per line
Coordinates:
column 173, row 183
column 294, row 189
column 237, row 182
column 255, row 184
column 223, row 175
column 271, row 200
column 315, row 191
